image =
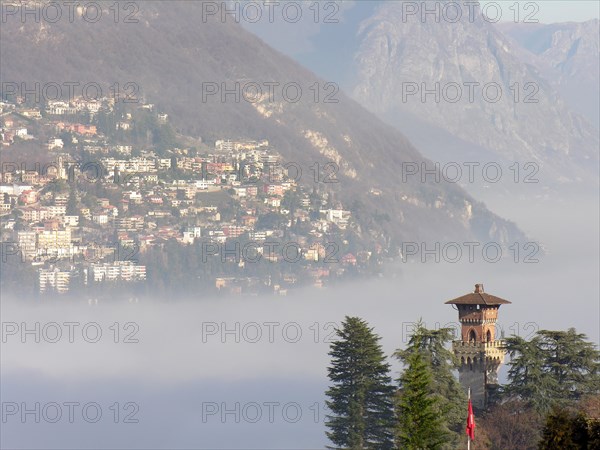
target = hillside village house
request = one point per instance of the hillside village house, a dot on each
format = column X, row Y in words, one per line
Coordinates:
column 55, row 143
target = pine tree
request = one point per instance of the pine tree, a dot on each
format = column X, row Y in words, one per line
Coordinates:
column 573, row 362
column 72, row 203
column 554, row 368
column 420, row 425
column 527, row 378
column 433, row 346
column 361, row 397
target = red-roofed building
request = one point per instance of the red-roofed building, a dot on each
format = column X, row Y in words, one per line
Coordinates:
column 349, row 260
column 28, row 197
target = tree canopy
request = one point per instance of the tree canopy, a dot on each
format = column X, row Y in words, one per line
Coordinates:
column 360, row 399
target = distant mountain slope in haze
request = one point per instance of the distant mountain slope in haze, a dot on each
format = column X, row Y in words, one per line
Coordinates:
column 567, row 54
column 398, row 53
column 171, row 52
column 326, row 47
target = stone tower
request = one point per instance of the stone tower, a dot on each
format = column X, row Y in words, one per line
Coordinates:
column 479, row 352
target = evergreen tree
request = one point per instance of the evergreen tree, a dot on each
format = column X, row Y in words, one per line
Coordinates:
column 554, row 368
column 527, row 379
column 433, row 346
column 573, row 362
column 420, row 426
column 361, row 397
column 72, row 203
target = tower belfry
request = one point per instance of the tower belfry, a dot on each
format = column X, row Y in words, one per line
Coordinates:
column 478, row 351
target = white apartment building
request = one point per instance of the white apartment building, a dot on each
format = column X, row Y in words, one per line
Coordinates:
column 55, row 243
column 27, row 243
column 117, row 271
column 54, row 280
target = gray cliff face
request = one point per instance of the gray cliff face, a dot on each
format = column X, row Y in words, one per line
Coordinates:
column 530, row 121
column 567, row 54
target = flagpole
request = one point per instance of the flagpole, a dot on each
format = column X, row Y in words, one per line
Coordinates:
column 468, row 437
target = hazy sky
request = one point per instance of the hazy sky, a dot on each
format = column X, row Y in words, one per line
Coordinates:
column 551, row 11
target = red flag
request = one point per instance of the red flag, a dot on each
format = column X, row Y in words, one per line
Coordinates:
column 471, row 422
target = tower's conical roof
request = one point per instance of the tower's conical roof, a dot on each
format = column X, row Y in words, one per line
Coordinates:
column 478, row 297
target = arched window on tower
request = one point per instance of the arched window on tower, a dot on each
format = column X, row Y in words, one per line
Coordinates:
column 489, row 336
column 472, row 336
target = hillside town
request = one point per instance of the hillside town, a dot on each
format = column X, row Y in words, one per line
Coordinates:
column 90, row 206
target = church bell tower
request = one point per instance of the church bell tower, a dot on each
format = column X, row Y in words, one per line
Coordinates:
column 479, row 352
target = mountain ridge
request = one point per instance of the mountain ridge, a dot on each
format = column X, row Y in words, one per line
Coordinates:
column 565, row 54
column 530, row 121
column 169, row 54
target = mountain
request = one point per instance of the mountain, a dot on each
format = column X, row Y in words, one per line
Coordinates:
column 567, row 55
column 172, row 51
column 326, row 46
column 520, row 118
column 555, row 65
